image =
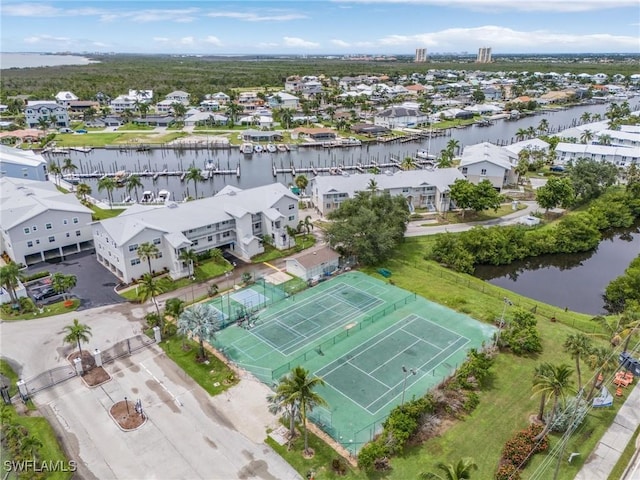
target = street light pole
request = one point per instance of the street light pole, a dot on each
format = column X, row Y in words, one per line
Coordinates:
column 506, row 303
column 406, row 372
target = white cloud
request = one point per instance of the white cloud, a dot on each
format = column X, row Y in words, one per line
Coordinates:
column 187, row 41
column 299, row 42
column 212, row 40
column 340, row 43
column 519, row 5
column 160, row 15
column 161, row 39
column 47, row 38
column 267, row 45
column 254, row 17
column 508, row 40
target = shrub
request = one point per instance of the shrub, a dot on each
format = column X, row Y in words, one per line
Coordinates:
column 371, row 452
column 508, row 472
column 519, row 449
column 36, row 276
column 339, row 466
column 522, row 335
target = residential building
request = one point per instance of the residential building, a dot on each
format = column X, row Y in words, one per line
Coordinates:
column 283, row 100
column 50, row 111
column 315, row 134
column 81, row 106
column 221, row 97
column 313, row 263
column 22, row 164
column 234, row 219
column 293, row 84
column 421, row 55
column 400, row 117
column 619, row 156
column 122, row 103
column 142, row 96
column 210, row 105
column 620, row 137
column 261, row 136
column 485, row 161
column 484, row 55
column 422, row 188
column 63, row 98
column 531, row 145
column 38, row 222
column 178, row 96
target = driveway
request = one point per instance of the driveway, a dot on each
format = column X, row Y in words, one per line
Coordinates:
column 95, row 283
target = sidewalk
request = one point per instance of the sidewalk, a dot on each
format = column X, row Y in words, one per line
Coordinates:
column 607, row 452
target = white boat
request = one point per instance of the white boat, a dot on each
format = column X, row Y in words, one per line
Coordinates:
column 164, row 195
column 147, row 197
column 257, row 148
column 81, row 149
column 425, row 154
column 282, row 147
column 271, row 148
column 247, row 148
column 210, row 165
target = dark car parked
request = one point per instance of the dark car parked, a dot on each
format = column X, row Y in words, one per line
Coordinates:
column 45, row 293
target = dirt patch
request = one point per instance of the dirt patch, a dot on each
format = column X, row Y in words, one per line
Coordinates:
column 125, row 415
column 309, row 453
column 96, row 376
column 88, row 362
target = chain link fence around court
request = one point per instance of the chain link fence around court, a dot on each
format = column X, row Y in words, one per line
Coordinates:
column 553, row 314
column 319, row 349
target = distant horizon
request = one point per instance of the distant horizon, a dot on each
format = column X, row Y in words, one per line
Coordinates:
column 271, row 27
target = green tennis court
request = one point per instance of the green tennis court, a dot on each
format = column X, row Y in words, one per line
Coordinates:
column 365, row 338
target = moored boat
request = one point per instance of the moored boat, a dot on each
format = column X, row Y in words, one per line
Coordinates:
column 271, row 148
column 247, row 148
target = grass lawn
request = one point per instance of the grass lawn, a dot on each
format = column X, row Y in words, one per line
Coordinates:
column 48, row 311
column 506, row 405
column 215, row 377
column 628, row 453
column 211, row 269
column 134, row 126
column 87, row 139
column 471, row 216
column 100, row 214
column 7, row 371
column 272, row 253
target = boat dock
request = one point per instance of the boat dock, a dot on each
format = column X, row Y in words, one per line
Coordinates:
column 372, row 165
column 121, row 176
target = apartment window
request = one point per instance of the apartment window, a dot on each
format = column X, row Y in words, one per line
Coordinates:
column 278, row 224
column 464, row 170
column 209, row 226
column 132, row 248
column 67, row 234
column 195, row 243
column 75, row 220
column 226, row 234
column 134, row 261
column 405, row 190
column 52, row 239
column 34, row 228
column 27, row 231
column 65, row 221
column 483, row 171
column 156, row 241
column 159, row 255
column 292, row 217
column 292, row 206
column 47, row 226
column 29, row 244
column 77, row 233
column 37, row 242
column 257, row 226
column 210, row 238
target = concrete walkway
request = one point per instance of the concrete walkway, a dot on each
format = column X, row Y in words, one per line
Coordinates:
column 607, row 452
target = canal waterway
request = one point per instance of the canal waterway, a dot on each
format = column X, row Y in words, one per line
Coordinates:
column 575, row 281
column 257, row 169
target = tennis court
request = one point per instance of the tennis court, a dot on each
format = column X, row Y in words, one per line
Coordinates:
column 364, row 337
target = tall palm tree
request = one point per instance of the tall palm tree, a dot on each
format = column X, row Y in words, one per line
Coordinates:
column 189, row 256
column 308, row 225
column 108, row 184
column 531, row 132
column 201, row 321
column 174, row 307
column 278, row 402
column 604, row 139
column 298, row 387
column 233, row 109
column 286, row 117
column 586, row 117
column 216, row 255
column 68, row 166
column 543, row 126
column 9, row 278
column 554, row 380
column 602, row 360
column 82, row 190
column 44, row 123
column 372, row 186
column 408, row 163
column 76, row 333
column 578, row 345
column 150, row 288
column 445, row 160
column 291, row 233
column 540, row 372
column 55, row 169
column 179, row 111
column 133, row 182
column 147, row 251
column 194, row 174
column 62, row 283
column 453, row 145
column 459, row 471
column 586, row 136
column 301, row 182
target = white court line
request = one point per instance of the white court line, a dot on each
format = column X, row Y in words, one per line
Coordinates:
column 175, row 399
column 396, row 355
column 421, row 339
column 373, row 378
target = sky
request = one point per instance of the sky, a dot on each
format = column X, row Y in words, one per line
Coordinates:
column 314, row 27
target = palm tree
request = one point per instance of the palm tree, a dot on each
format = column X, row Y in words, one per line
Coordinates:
column 108, row 184
column 521, row 134
column 291, row 233
column 286, row 117
column 174, row 307
column 194, row 175
column 604, row 139
column 408, row 163
column 82, row 190
column 233, row 109
column 68, row 166
column 453, row 145
column 308, row 225
column 9, row 278
column 44, row 123
column 531, row 132
column 55, row 169
column 216, row 255
column 297, row 388
column 372, row 186
column 586, row 136
column 331, row 111
column 150, row 288
column 459, row 471
column 76, row 333
column 147, row 251
column 586, row 117
column 543, row 126
column 445, row 160
column 133, row 183
column 602, row 360
column 189, row 257
column 30, row 446
column 62, row 283
column 179, row 111
column 540, row 372
column 143, row 108
column 301, row 182
column 202, row 321
column 554, row 380
column 578, row 344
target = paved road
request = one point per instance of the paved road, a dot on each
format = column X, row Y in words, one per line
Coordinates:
column 416, row 229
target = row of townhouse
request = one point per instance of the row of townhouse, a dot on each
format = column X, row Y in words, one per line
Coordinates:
column 621, row 156
column 427, row 189
column 233, row 219
column 24, row 164
column 38, row 222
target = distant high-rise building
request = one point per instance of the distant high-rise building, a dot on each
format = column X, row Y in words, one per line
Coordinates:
column 484, row 55
column 421, row 55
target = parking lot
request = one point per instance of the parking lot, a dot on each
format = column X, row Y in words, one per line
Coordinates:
column 95, row 284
